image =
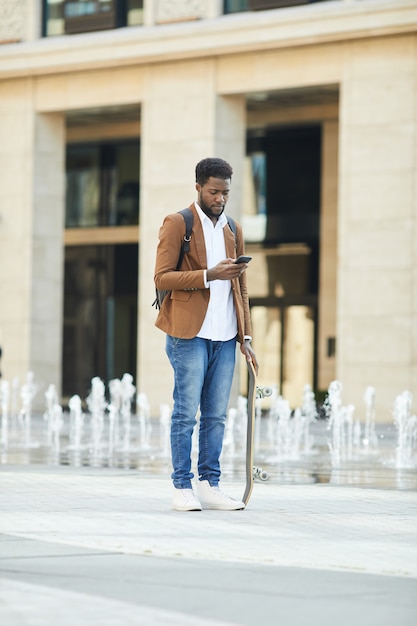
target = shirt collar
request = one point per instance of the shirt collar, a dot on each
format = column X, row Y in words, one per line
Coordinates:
column 222, row 221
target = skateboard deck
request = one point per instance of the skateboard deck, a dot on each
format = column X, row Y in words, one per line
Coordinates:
column 253, row 392
column 250, row 430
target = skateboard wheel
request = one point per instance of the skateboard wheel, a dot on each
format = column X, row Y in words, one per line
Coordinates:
column 264, row 392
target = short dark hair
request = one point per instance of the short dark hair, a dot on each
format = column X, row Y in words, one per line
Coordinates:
column 217, row 168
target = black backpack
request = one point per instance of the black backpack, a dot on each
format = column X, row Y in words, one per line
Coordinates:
column 185, row 247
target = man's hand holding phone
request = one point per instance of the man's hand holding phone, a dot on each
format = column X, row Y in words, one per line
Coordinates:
column 228, row 269
column 243, row 259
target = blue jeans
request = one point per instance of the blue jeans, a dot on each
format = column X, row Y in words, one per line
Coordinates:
column 203, row 374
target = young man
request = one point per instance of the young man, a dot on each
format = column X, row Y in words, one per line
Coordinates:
column 204, row 315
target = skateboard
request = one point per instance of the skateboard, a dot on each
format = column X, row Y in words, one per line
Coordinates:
column 253, row 392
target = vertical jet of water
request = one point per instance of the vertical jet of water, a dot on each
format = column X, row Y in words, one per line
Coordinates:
column 309, row 410
column 76, row 422
column 27, row 394
column 51, row 397
column 128, row 391
column 348, row 419
column 357, row 433
column 4, row 400
column 297, row 432
column 114, row 408
column 370, row 440
column 14, row 407
column 333, row 408
column 412, row 441
column 97, row 405
column 145, row 427
column 57, row 423
column 284, row 438
column 407, row 431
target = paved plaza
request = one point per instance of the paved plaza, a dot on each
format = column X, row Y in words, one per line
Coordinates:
column 101, row 546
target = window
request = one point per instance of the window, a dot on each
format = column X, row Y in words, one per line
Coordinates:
column 100, row 314
column 236, row 6
column 67, row 17
column 102, row 184
column 281, row 218
column 284, row 176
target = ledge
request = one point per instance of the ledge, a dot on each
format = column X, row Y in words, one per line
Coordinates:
column 101, row 235
column 229, row 34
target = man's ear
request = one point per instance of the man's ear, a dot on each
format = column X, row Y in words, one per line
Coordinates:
column 198, row 187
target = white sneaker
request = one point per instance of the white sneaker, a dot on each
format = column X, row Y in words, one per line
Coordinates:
column 185, row 500
column 213, row 498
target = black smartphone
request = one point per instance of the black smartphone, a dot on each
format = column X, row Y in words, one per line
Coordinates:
column 243, row 259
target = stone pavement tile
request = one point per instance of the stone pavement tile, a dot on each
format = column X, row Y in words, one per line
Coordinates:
column 16, row 547
column 26, row 604
column 249, row 594
column 318, row 526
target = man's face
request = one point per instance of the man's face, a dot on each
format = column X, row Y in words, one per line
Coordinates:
column 213, row 196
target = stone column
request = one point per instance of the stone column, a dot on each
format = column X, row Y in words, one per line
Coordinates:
column 182, row 122
column 31, row 227
column 16, row 136
column 377, row 312
column 47, row 263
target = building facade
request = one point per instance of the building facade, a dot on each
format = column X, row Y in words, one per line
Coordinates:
column 106, row 107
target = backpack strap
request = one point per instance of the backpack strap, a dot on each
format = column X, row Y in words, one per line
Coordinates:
column 189, row 220
column 185, row 247
column 232, row 224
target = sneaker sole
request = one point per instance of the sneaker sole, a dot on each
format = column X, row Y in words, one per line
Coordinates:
column 176, row 508
column 213, row 507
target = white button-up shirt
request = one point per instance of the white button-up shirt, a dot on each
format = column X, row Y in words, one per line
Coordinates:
column 220, row 323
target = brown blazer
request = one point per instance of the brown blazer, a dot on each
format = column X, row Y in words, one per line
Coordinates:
column 184, row 309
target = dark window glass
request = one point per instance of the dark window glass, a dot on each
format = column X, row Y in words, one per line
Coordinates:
column 89, row 15
column 293, row 184
column 257, row 5
column 79, row 16
column 102, row 184
column 288, row 166
column 83, row 186
column 289, row 163
column 235, row 6
column 100, row 315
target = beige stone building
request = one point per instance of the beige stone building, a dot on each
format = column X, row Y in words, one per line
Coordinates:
column 105, row 109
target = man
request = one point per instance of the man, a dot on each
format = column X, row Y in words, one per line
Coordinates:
column 205, row 314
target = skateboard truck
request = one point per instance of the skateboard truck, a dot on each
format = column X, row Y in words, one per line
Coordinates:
column 260, row 473
column 263, row 392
